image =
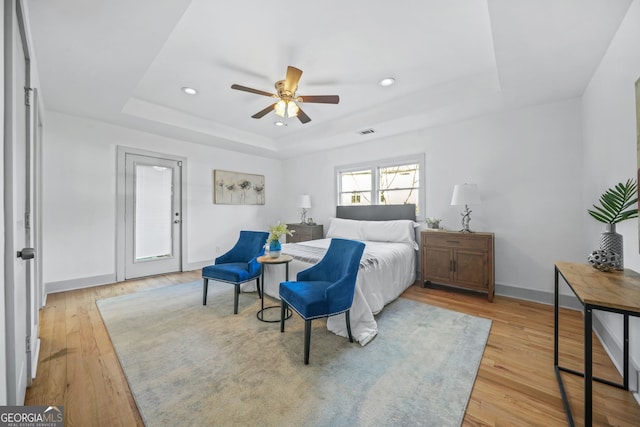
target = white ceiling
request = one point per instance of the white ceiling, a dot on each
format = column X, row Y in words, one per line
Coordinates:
column 124, row 62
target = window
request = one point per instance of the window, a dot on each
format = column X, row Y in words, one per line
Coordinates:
column 356, row 187
column 389, row 182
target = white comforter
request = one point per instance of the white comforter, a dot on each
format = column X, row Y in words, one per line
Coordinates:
column 378, row 283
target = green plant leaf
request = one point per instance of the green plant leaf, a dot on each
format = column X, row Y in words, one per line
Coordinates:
column 617, row 204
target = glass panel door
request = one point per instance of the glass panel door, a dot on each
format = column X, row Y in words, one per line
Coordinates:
column 153, row 211
column 153, row 216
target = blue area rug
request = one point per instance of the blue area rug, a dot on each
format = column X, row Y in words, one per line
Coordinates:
column 189, row 364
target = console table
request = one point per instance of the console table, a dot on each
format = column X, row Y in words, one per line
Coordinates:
column 616, row 292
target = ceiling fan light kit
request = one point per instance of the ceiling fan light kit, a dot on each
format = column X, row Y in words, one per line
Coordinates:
column 287, row 106
column 286, row 109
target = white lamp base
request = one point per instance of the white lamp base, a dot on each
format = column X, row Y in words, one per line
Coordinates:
column 466, row 217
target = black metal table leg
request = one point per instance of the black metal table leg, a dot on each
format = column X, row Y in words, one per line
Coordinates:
column 260, row 313
column 556, row 365
column 262, row 293
column 625, row 376
column 588, row 365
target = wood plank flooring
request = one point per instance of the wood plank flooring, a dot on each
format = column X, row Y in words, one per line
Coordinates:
column 516, row 384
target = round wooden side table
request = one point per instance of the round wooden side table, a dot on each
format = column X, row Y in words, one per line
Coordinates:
column 264, row 261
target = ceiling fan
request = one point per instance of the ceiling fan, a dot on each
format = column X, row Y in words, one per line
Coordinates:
column 286, row 93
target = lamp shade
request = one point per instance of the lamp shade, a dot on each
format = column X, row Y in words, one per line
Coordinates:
column 465, row 194
column 304, row 201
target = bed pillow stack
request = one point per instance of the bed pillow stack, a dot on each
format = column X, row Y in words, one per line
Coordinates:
column 399, row 231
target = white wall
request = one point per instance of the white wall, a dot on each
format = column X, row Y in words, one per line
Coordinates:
column 80, row 198
column 527, row 164
column 609, row 127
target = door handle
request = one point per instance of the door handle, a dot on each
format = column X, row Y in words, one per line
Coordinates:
column 177, row 221
column 26, row 253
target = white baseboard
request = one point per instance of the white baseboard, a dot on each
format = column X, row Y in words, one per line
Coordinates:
column 84, row 282
column 197, row 265
column 543, row 297
column 105, row 279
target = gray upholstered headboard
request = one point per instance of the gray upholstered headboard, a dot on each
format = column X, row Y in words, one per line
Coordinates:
column 377, row 212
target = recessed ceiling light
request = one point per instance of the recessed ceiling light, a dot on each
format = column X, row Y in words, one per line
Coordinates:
column 387, row 81
column 279, row 123
column 189, row 91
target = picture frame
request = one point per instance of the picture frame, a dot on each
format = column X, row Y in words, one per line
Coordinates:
column 238, row 188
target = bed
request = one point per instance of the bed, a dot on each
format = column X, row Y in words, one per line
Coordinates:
column 387, row 268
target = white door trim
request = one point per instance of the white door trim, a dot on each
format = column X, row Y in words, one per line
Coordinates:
column 122, row 151
column 17, row 345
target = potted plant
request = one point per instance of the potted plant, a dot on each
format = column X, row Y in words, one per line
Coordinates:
column 275, row 234
column 433, row 223
column 616, row 204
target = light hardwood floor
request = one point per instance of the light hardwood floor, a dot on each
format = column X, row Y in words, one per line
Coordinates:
column 516, row 384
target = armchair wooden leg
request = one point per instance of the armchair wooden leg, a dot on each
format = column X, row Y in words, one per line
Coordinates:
column 235, row 299
column 205, row 286
column 283, row 314
column 346, row 315
column 307, row 340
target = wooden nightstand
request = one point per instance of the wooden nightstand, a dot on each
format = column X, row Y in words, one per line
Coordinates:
column 304, row 232
column 458, row 259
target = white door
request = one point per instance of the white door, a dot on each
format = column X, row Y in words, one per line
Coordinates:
column 153, row 215
column 17, row 185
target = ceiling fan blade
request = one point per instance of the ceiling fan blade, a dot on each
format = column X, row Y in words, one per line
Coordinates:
column 292, row 79
column 256, row 91
column 303, row 117
column 319, row 99
column 264, row 112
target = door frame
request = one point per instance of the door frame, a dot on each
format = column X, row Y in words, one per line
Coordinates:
column 14, row 15
column 122, row 152
column 3, row 302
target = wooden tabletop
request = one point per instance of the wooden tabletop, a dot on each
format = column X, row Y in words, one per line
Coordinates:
column 267, row 259
column 615, row 289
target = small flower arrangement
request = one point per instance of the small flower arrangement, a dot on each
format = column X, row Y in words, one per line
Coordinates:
column 277, row 231
column 433, row 222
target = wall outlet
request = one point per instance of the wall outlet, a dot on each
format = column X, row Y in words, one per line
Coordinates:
column 218, row 249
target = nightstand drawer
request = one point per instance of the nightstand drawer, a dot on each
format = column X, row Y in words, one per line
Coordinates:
column 304, row 232
column 300, row 235
column 459, row 241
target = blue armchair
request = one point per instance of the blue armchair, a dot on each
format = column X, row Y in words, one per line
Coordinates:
column 325, row 289
column 237, row 266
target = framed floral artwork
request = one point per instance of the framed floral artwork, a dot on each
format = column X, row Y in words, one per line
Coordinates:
column 237, row 188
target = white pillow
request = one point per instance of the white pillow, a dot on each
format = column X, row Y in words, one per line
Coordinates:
column 400, row 231
column 344, row 228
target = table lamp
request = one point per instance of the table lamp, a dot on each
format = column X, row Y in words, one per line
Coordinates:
column 304, row 203
column 465, row 194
